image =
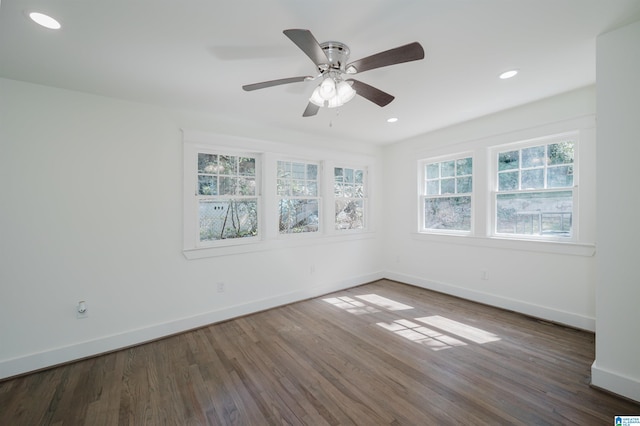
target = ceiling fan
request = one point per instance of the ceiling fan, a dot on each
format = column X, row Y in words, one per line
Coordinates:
column 336, row 87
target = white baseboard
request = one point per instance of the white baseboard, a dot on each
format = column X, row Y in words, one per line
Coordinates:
column 617, row 383
column 56, row 356
column 537, row 311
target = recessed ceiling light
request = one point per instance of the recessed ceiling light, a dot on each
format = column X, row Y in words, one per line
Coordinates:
column 508, row 74
column 44, row 20
column 392, row 120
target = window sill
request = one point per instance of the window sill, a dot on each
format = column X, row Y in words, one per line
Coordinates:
column 276, row 244
column 554, row 247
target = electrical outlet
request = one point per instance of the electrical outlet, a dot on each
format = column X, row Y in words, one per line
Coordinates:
column 220, row 287
column 81, row 310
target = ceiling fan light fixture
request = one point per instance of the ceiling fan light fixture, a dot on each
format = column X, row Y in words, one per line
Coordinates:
column 345, row 92
column 316, row 99
column 327, row 88
column 331, row 59
column 341, row 93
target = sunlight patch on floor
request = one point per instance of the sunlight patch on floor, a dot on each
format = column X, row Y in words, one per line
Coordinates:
column 351, row 305
column 420, row 334
column 383, row 302
column 465, row 331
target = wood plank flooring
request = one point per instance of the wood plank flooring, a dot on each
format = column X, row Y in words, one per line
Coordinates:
column 379, row 354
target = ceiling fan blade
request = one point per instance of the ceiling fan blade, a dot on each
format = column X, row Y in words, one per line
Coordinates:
column 308, row 44
column 376, row 96
column 409, row 52
column 265, row 84
column 311, row 110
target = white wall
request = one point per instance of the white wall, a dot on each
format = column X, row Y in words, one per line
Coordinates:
column 91, row 195
column 617, row 365
column 551, row 281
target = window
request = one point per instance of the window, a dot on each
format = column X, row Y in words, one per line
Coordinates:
column 298, row 200
column 350, row 198
column 227, row 197
column 446, row 195
column 535, row 189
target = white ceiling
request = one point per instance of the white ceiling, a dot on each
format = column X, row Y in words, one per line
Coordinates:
column 196, row 55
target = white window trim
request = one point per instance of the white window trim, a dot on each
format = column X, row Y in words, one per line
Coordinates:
column 267, row 154
column 191, row 237
column 422, row 194
column 331, row 207
column 321, row 191
column 493, row 193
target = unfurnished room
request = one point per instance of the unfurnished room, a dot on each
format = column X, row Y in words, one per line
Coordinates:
column 371, row 212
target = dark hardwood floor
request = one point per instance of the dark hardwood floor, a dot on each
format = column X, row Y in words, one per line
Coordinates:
column 382, row 353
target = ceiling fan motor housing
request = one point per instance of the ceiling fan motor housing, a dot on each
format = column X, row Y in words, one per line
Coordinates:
column 337, row 53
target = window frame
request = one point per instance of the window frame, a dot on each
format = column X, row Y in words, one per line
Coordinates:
column 192, row 238
column 366, row 213
column 494, row 152
column 267, row 153
column 318, row 197
column 423, row 196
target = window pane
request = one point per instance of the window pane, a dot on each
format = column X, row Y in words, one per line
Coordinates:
column 247, row 166
column 283, row 188
column 349, row 214
column 433, row 171
column 561, row 153
column 338, row 173
column 284, row 169
column 222, row 219
column 447, row 168
column 359, row 176
column 227, row 164
column 298, row 170
column 312, row 171
column 448, row 186
column 348, row 191
column 312, row 189
column 348, row 176
column 298, row 216
column 228, row 186
column 358, row 191
column 207, row 163
column 532, row 179
column 247, row 186
column 453, row 213
column 533, row 157
column 207, row 185
column 433, row 187
column 508, row 160
column 463, row 185
column 560, row 177
column 464, row 166
column 508, row 181
column 298, row 187
column 539, row 213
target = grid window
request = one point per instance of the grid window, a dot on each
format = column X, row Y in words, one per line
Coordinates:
column 446, row 199
column 298, row 200
column 350, row 198
column 227, row 197
column 535, row 190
